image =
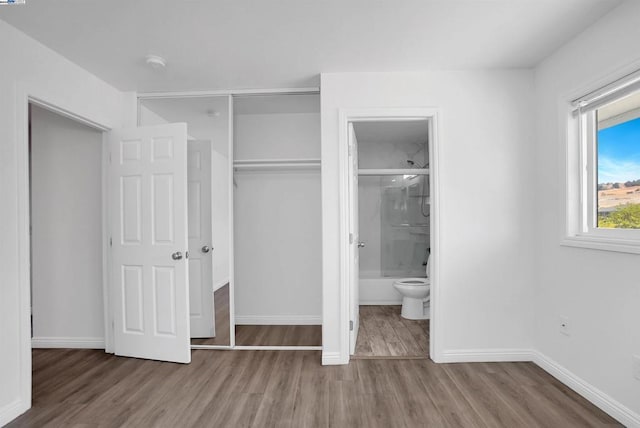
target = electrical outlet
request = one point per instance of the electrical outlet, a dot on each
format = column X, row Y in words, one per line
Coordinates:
column 636, row 366
column 565, row 327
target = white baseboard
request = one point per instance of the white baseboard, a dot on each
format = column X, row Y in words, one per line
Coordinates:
column 12, row 411
column 485, row 355
column 278, row 320
column 610, row 406
column 394, row 302
column 333, row 359
column 68, row 342
column 220, row 284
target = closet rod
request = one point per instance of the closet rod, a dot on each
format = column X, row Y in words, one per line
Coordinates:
column 276, row 164
column 383, row 171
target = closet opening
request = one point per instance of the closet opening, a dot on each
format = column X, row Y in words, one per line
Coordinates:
column 390, row 240
column 68, row 254
column 277, row 221
column 254, row 216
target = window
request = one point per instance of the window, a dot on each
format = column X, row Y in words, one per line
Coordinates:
column 606, row 192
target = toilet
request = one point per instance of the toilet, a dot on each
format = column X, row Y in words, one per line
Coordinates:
column 415, row 296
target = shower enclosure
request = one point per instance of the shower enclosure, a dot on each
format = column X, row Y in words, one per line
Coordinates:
column 393, row 200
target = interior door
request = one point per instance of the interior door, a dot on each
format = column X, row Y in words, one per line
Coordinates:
column 148, row 222
column 200, row 252
column 354, row 243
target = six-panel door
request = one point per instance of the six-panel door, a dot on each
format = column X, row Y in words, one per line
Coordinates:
column 148, row 219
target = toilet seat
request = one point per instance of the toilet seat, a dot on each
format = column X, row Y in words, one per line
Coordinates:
column 420, row 282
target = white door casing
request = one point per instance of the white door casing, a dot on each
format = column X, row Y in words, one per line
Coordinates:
column 148, row 223
column 199, row 198
column 354, row 256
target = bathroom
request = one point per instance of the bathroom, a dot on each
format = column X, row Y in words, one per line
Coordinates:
column 394, row 242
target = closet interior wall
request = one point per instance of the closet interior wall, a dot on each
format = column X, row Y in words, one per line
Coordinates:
column 277, row 210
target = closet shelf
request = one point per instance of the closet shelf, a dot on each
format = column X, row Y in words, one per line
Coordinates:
column 387, row 171
column 276, row 164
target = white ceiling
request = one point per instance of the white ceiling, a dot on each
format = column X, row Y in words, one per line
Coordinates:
column 224, row 44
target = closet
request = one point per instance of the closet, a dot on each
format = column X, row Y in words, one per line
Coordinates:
column 254, row 224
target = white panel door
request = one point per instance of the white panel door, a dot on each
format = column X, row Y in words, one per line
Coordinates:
column 148, row 222
column 354, row 251
column 200, row 252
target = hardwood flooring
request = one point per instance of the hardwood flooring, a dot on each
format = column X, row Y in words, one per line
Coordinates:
column 279, row 335
column 88, row 388
column 258, row 335
column 221, row 304
column 385, row 334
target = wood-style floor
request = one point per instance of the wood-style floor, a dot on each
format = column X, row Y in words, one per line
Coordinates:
column 88, row 388
column 384, row 333
column 221, row 304
column 258, row 335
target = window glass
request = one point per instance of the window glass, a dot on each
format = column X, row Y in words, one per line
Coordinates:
column 618, row 164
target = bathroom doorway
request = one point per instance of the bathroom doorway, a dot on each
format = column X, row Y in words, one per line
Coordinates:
column 390, row 237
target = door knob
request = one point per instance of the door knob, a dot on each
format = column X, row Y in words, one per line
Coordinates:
column 360, row 244
column 206, row 249
column 177, row 255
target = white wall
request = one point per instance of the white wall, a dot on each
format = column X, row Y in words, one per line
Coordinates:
column 598, row 290
column 277, row 222
column 66, row 220
column 486, row 207
column 26, row 64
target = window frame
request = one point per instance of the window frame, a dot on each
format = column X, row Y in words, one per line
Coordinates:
column 580, row 117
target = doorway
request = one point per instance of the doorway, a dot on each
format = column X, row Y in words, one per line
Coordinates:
column 389, row 231
column 66, row 232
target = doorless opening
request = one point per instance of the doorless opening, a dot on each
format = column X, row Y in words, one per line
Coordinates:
column 66, row 225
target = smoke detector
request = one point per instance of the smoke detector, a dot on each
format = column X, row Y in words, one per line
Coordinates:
column 155, row 61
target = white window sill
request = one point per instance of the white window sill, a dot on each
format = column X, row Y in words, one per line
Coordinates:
column 602, row 243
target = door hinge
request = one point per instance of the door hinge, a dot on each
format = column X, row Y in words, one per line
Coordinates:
column 350, row 325
column 109, row 157
column 351, row 238
column 110, row 241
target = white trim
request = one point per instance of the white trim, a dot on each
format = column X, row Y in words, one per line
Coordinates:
column 388, row 114
column 68, row 342
column 278, row 320
column 218, row 285
column 381, row 302
column 257, row 348
column 12, row 410
column 229, row 92
column 213, row 347
column 334, row 358
column 600, row 399
column 485, row 355
column 276, row 348
column 604, row 244
column 230, row 239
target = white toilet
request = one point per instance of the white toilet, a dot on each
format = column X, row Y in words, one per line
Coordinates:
column 415, row 296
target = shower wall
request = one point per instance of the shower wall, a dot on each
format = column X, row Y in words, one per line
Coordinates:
column 394, row 225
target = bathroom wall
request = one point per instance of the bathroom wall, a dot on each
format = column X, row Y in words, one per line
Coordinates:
column 74, row 89
column 277, row 221
column 485, row 269
column 66, row 269
column 597, row 290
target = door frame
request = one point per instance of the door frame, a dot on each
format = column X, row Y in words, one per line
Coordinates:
column 347, row 116
column 26, row 95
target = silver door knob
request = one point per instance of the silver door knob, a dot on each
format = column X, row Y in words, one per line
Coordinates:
column 177, row 255
column 205, row 249
column 360, row 244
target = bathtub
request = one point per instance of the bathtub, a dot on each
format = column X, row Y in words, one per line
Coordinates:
column 378, row 291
